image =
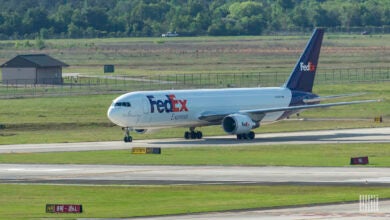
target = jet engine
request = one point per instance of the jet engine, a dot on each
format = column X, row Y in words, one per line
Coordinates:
column 238, row 124
column 140, row 131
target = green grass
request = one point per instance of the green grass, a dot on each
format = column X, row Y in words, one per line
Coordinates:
column 73, row 109
column 208, row 54
column 266, row 155
column 26, row 202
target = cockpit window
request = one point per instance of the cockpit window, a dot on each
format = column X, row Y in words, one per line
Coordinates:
column 123, row 104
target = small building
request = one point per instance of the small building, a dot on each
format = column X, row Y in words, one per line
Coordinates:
column 32, row 69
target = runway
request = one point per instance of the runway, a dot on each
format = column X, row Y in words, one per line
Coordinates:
column 365, row 135
column 181, row 175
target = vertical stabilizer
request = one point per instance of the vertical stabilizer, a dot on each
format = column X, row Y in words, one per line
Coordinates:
column 303, row 74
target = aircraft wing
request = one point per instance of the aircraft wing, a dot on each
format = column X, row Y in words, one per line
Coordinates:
column 258, row 114
column 213, row 116
column 301, row 107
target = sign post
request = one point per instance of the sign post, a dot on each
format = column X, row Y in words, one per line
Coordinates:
column 63, row 208
column 146, row 150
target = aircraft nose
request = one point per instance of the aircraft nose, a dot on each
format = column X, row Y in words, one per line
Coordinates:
column 112, row 114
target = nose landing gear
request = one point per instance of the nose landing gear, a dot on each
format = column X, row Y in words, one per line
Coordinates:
column 127, row 137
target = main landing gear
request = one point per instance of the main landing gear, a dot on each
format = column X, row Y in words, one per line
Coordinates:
column 249, row 136
column 127, row 137
column 192, row 134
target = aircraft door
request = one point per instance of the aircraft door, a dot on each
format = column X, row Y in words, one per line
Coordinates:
column 146, row 106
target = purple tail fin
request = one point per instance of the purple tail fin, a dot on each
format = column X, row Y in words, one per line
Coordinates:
column 302, row 77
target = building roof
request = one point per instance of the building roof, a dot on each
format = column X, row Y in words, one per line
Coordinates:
column 33, row 60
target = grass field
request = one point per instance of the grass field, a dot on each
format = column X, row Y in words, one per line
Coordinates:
column 29, row 201
column 264, row 155
column 143, row 56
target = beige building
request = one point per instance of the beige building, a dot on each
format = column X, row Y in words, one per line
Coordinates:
column 32, row 69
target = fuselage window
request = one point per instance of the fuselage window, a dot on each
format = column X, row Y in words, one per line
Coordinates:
column 123, row 104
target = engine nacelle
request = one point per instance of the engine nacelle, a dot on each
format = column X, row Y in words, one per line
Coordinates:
column 140, row 131
column 238, row 124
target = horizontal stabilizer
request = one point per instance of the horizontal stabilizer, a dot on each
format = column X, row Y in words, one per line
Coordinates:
column 324, row 98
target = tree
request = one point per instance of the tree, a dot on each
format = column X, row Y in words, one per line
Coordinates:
column 78, row 19
column 249, row 16
column 34, row 20
column 245, row 9
column 299, row 17
column 96, row 18
column 62, row 18
column 74, row 31
column 371, row 14
column 285, row 4
column 350, row 15
column 255, row 25
column 321, row 17
column 217, row 29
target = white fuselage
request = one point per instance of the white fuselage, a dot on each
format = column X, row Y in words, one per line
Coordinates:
column 178, row 108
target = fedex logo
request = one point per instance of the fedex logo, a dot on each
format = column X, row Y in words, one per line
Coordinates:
column 309, row 67
column 171, row 104
column 245, row 124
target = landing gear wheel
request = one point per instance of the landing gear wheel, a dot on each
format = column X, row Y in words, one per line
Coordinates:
column 187, row 135
column 192, row 134
column 128, row 139
column 251, row 135
column 199, row 135
column 239, row 136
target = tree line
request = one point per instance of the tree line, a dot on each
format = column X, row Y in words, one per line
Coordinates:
column 28, row 19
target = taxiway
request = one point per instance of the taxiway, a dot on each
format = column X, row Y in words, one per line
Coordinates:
column 365, row 135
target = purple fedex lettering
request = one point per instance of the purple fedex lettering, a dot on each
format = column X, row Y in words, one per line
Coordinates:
column 171, row 104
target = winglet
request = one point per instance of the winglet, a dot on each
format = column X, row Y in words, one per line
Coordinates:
column 302, row 76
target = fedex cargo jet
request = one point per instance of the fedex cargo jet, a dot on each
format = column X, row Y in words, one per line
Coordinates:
column 238, row 110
